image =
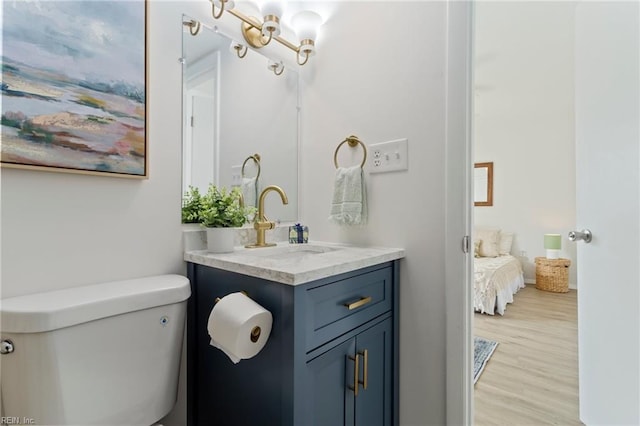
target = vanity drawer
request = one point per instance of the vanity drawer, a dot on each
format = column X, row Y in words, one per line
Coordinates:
column 335, row 308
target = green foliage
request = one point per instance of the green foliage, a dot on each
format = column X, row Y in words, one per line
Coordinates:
column 218, row 208
column 191, row 206
column 221, row 208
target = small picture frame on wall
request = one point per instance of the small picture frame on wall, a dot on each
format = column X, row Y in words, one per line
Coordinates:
column 74, row 78
column 483, row 184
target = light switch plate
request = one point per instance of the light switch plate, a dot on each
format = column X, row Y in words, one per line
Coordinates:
column 389, row 156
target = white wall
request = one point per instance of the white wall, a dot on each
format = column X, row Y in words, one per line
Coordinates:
column 62, row 230
column 524, row 106
column 380, row 74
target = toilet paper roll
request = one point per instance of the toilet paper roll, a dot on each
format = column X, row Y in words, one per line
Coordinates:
column 239, row 327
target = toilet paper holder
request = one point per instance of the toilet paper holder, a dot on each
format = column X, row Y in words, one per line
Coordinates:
column 217, row 299
column 255, row 331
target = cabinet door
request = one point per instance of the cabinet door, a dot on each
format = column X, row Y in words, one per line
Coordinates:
column 374, row 403
column 329, row 399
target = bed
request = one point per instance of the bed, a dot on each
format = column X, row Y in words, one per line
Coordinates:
column 497, row 274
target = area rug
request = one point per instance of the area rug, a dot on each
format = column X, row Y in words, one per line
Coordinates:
column 482, row 351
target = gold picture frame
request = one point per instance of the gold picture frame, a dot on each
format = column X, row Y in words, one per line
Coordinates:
column 483, row 184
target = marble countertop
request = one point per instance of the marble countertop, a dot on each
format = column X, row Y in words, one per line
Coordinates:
column 295, row 264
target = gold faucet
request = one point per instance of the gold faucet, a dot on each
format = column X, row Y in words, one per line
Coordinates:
column 261, row 223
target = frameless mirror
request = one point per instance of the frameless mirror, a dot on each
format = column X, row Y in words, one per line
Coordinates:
column 483, row 184
column 240, row 124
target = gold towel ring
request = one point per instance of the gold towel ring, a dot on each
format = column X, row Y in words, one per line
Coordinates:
column 353, row 141
column 256, row 159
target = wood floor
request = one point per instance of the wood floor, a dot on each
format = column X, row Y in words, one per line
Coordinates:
column 532, row 377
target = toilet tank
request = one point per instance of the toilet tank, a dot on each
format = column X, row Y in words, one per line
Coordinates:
column 103, row 354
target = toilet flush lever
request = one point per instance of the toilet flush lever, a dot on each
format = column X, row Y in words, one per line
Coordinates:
column 6, row 347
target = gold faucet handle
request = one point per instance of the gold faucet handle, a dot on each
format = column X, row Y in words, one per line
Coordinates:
column 263, row 225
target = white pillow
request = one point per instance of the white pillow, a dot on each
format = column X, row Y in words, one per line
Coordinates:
column 506, row 240
column 490, row 240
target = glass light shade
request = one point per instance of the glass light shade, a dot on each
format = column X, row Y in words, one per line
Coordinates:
column 306, row 25
column 552, row 241
column 272, row 7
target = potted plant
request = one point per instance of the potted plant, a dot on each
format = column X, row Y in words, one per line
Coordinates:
column 191, row 206
column 220, row 212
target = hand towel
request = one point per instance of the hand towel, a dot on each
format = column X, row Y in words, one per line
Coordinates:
column 349, row 206
column 249, row 188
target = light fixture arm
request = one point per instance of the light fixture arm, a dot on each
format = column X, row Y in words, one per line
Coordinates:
column 213, row 9
column 276, row 72
column 194, row 26
column 251, row 23
column 306, row 58
column 241, row 50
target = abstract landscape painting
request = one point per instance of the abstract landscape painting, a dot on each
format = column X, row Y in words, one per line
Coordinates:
column 74, row 86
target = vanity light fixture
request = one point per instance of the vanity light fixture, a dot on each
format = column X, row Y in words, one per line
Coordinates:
column 259, row 34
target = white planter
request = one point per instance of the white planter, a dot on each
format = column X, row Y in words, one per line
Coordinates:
column 220, row 240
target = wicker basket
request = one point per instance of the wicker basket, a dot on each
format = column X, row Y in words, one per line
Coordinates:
column 552, row 274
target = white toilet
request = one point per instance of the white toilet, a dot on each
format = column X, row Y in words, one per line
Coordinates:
column 104, row 354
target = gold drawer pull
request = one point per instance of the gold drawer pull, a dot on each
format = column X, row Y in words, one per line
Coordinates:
column 361, row 302
column 365, row 380
column 356, row 374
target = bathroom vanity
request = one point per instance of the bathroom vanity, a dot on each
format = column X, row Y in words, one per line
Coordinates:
column 332, row 356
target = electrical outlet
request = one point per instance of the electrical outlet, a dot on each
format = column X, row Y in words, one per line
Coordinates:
column 236, row 175
column 389, row 156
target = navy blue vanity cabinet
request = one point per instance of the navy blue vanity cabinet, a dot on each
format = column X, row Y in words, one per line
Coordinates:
column 363, row 362
column 306, row 374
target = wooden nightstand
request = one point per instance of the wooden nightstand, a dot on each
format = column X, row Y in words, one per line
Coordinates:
column 552, row 274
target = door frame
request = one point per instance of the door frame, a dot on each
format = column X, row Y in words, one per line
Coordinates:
column 193, row 74
column 459, row 214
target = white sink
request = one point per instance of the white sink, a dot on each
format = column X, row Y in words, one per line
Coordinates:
column 293, row 251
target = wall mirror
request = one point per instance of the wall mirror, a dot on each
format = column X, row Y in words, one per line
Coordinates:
column 240, row 120
column 483, row 184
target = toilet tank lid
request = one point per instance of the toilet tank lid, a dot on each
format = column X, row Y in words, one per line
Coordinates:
column 52, row 310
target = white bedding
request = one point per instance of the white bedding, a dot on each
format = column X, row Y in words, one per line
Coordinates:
column 496, row 280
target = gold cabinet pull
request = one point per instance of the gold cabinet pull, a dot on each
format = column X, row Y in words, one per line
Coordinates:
column 365, row 367
column 360, row 302
column 356, row 374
